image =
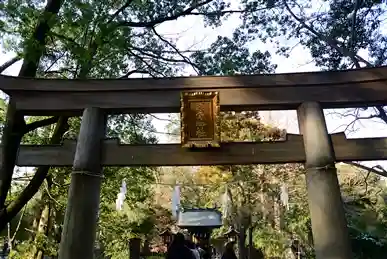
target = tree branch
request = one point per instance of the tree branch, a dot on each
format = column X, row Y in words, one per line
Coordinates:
column 158, row 57
column 185, row 59
column 382, row 113
column 331, row 42
column 340, row 47
column 380, row 172
column 135, row 71
column 120, row 10
column 353, row 27
column 66, row 38
column 37, row 124
column 146, row 64
column 18, row 224
column 222, row 13
column 33, row 186
column 157, row 21
column 12, row 136
column 9, row 63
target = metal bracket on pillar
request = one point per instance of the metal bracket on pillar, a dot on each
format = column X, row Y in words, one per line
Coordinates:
column 329, row 225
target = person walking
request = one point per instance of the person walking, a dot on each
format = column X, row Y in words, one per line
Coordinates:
column 229, row 252
column 178, row 249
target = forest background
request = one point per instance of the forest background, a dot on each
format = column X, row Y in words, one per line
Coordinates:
column 135, row 38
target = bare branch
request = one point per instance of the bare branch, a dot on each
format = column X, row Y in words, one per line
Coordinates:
column 330, row 41
column 66, row 38
column 340, row 47
column 158, row 57
column 18, row 224
column 222, row 13
column 185, row 59
column 181, row 51
column 380, row 171
column 9, row 63
column 135, row 71
column 160, row 119
column 146, row 64
column 37, row 124
column 49, row 194
column 157, row 21
column 357, row 118
column 353, row 27
column 54, row 62
column 382, row 114
column 22, row 178
column 120, row 10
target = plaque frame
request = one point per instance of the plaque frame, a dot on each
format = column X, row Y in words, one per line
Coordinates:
column 185, row 99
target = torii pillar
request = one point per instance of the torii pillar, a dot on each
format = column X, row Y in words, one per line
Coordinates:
column 80, row 223
column 329, row 225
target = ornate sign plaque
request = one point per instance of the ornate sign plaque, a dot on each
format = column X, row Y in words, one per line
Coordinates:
column 200, row 119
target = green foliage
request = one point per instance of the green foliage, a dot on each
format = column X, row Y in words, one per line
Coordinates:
column 233, row 57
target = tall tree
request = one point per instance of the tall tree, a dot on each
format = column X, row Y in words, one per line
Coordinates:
column 15, row 126
column 82, row 44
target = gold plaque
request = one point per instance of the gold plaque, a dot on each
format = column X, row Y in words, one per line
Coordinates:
column 200, row 125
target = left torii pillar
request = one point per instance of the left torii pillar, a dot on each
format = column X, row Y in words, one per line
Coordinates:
column 80, row 223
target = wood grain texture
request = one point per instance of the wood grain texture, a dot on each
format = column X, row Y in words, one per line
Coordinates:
column 292, row 150
column 354, row 88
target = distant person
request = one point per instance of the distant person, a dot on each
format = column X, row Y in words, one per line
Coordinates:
column 229, row 252
column 194, row 249
column 178, row 249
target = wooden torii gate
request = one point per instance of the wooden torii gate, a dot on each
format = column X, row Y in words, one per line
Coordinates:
column 306, row 92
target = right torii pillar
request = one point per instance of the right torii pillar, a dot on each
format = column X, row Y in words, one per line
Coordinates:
column 329, row 225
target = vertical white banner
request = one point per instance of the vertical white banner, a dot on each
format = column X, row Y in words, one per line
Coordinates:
column 175, row 200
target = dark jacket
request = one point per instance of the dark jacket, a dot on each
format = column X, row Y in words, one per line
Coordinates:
column 178, row 249
column 228, row 252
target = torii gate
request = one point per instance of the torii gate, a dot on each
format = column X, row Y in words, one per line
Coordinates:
column 306, row 92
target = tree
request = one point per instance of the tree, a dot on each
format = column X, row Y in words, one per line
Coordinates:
column 81, row 45
column 15, row 126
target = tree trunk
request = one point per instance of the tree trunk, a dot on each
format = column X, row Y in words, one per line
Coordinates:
column 62, row 126
column 33, row 186
column 278, row 216
column 251, row 245
column 44, row 222
column 242, row 243
column 12, row 135
column 42, row 230
column 15, row 124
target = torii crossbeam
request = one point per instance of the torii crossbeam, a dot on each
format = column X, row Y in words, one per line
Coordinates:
column 306, row 92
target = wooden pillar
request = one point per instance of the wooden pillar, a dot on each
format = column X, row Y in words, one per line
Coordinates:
column 134, row 248
column 329, row 225
column 79, row 228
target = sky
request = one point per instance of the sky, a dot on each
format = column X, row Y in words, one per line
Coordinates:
column 189, row 33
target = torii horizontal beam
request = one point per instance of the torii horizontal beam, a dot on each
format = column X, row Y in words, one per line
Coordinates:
column 289, row 151
column 336, row 89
